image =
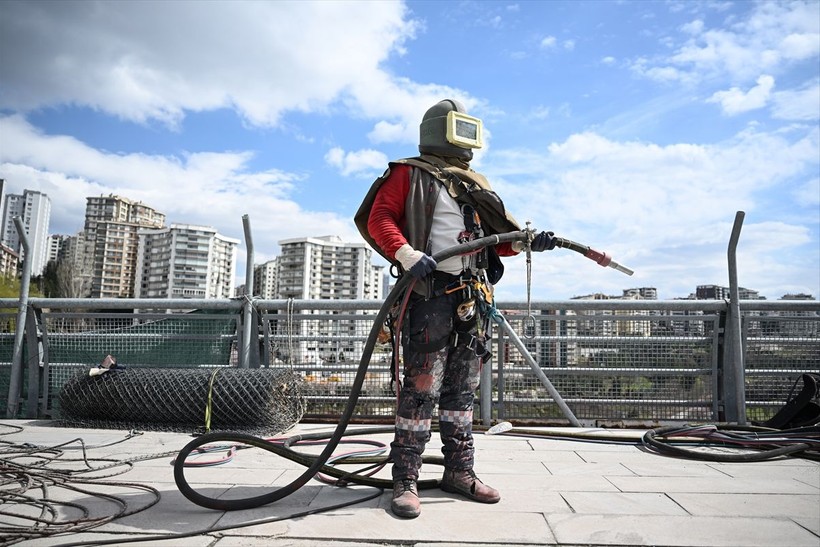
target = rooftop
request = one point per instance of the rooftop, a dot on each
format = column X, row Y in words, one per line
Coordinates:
column 579, row 489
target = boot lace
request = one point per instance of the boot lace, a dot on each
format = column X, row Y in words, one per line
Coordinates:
column 408, row 485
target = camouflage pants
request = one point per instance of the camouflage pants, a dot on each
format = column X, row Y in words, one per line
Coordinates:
column 440, row 366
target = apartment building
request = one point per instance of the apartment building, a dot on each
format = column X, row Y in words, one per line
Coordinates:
column 264, row 279
column 716, row 292
column 34, row 210
column 8, row 261
column 327, row 268
column 57, row 247
column 185, row 261
column 110, row 243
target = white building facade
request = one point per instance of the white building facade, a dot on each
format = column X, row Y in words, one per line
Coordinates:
column 265, row 279
column 325, row 267
column 109, row 244
column 34, row 210
column 185, row 261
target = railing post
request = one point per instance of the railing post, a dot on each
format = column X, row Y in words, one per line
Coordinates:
column 16, row 377
column 248, row 325
column 734, row 373
column 34, row 377
column 486, row 401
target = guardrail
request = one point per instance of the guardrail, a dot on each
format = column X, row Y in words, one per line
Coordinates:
column 612, row 361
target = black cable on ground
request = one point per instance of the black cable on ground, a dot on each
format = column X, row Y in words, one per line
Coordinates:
column 317, row 463
column 759, row 444
column 30, row 480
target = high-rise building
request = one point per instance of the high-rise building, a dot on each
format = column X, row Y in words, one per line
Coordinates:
column 57, row 247
column 110, row 243
column 264, row 279
column 185, row 261
column 716, row 292
column 34, row 210
column 326, row 268
column 8, row 261
column 641, row 293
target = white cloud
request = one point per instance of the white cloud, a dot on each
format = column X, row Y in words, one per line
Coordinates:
column 211, row 189
column 360, row 162
column 809, row 193
column 799, row 104
column 392, row 132
column 260, row 58
column 548, row 42
column 771, row 36
column 667, row 210
column 540, row 112
column 736, row 101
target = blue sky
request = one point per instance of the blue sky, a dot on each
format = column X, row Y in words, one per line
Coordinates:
column 638, row 128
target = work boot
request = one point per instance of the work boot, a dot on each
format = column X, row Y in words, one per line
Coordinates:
column 406, row 499
column 465, row 482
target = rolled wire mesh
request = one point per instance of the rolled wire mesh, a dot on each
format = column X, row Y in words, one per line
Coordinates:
column 260, row 401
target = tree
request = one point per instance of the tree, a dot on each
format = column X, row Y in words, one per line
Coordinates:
column 73, row 279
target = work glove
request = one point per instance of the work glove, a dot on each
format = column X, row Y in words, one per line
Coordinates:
column 545, row 241
column 416, row 262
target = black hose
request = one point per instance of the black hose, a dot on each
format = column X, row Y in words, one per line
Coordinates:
column 317, row 463
column 763, row 450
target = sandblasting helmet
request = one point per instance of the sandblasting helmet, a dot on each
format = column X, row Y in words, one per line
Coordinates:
column 447, row 130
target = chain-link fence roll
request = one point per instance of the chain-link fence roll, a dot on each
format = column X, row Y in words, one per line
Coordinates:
column 164, row 399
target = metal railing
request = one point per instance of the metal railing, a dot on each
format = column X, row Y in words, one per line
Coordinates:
column 612, row 361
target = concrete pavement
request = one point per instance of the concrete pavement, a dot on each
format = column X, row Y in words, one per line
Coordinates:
column 554, row 492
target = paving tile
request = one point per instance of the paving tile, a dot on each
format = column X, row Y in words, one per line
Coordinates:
column 631, row 455
column 599, row 469
column 530, row 456
column 487, row 466
column 434, row 525
column 750, row 505
column 808, row 473
column 231, row 475
column 809, row 523
column 173, row 514
column 675, row 530
column 90, row 537
column 565, row 483
column 756, row 485
column 673, row 468
column 618, row 503
column 512, row 501
column 581, row 446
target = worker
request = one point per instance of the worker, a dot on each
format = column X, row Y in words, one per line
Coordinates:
column 418, row 207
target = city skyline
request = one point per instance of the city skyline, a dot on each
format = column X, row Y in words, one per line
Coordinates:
column 178, row 224
column 638, row 128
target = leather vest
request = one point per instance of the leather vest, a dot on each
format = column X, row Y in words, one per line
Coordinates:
column 431, row 176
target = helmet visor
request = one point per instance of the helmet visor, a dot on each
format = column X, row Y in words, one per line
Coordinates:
column 464, row 131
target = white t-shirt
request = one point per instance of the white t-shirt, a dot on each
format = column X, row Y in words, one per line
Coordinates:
column 448, row 224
